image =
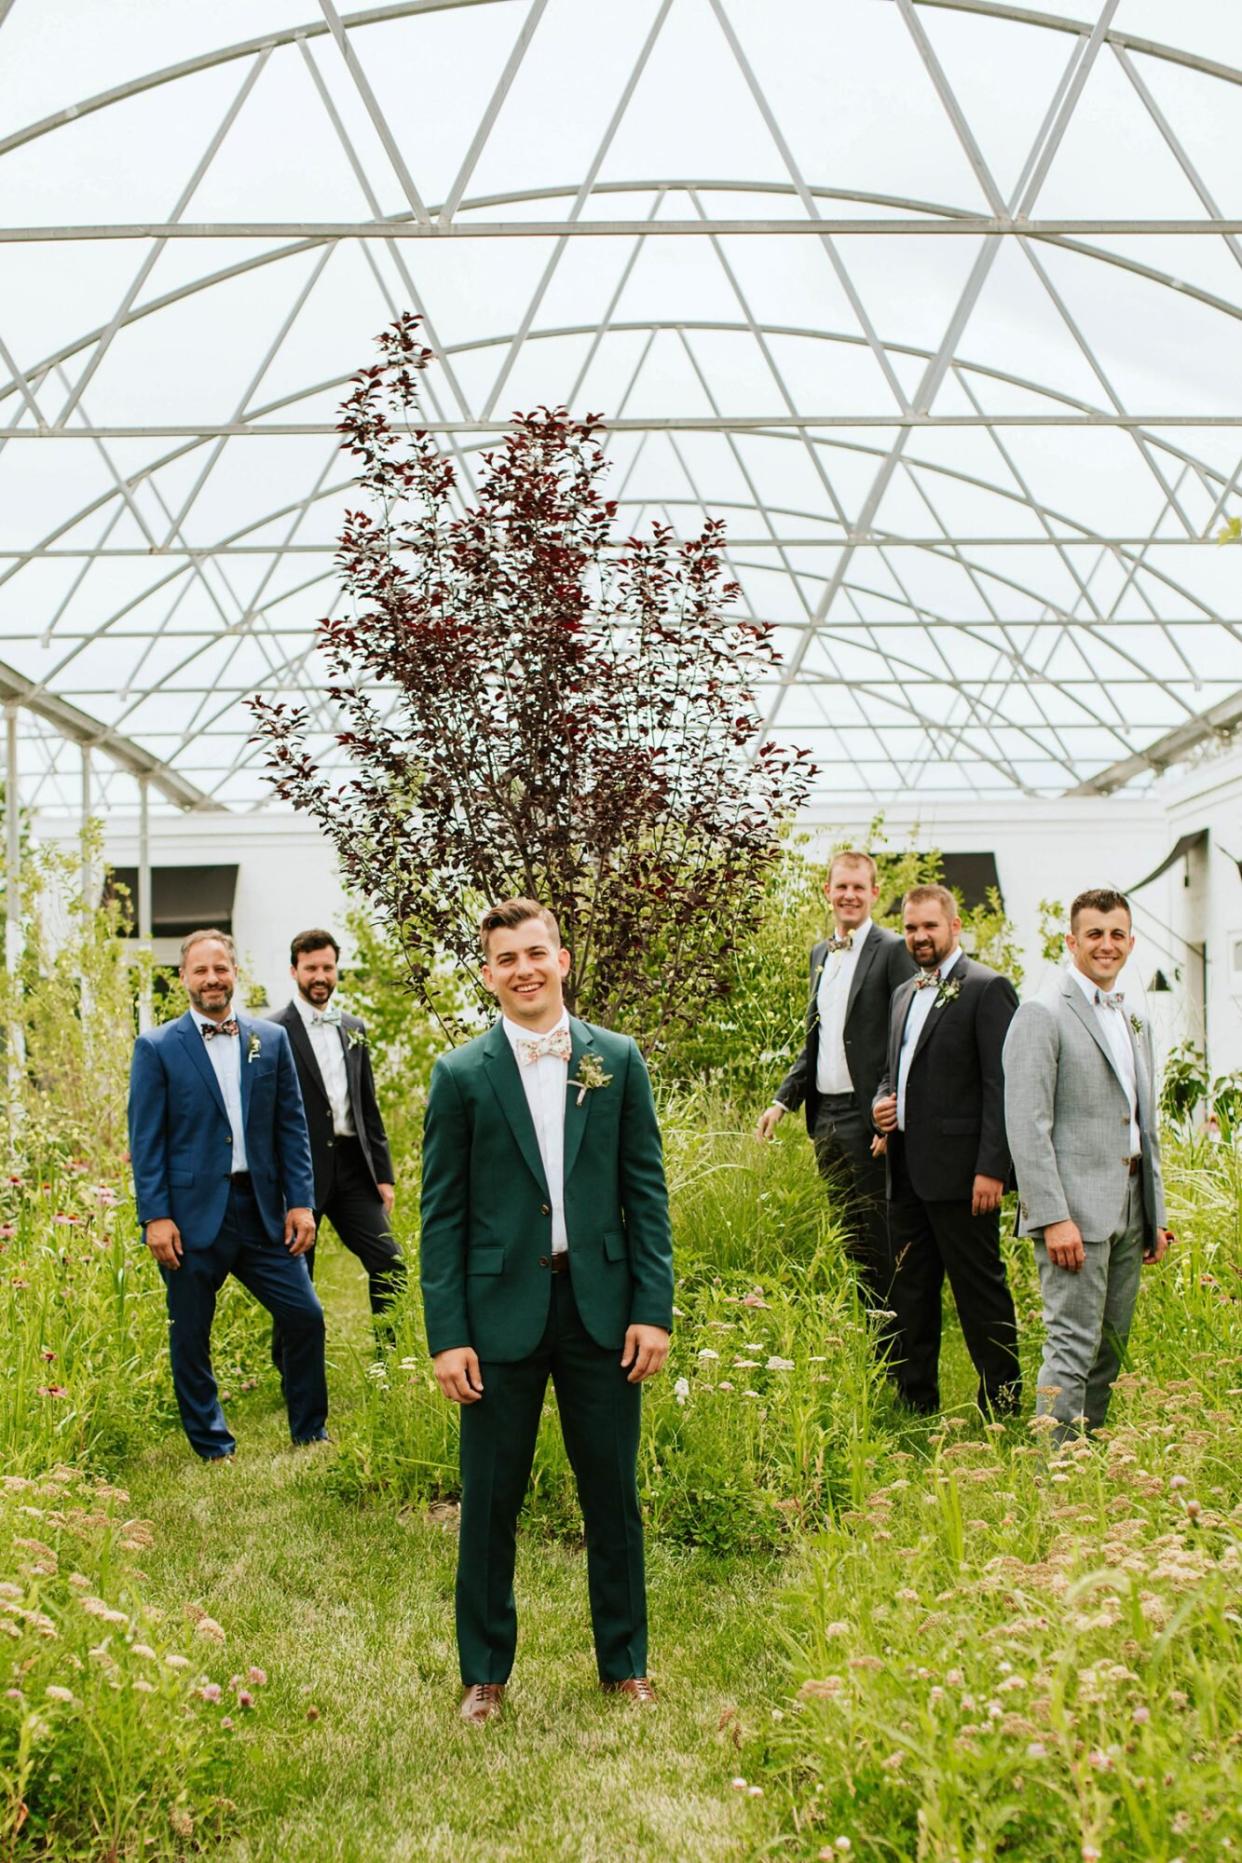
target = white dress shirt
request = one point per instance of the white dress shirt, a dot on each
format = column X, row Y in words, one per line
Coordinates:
column 921, row 1005
column 327, row 1040
column 224, row 1053
column 1111, row 1020
column 832, row 1071
column 544, row 1083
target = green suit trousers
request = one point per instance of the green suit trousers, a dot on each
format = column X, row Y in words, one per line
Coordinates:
column 599, row 1413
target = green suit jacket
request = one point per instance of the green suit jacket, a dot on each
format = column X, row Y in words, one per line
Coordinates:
column 487, row 1216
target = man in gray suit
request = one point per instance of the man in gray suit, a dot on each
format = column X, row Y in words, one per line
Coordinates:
column 1080, row 1111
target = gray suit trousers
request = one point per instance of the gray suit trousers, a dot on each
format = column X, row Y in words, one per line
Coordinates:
column 1087, row 1317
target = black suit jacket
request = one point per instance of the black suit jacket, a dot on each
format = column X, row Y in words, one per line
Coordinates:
column 363, row 1104
column 883, row 964
column 955, row 1094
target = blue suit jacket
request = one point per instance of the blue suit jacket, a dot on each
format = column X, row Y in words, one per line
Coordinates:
column 180, row 1140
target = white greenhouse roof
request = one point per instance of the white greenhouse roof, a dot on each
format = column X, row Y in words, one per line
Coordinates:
column 937, row 302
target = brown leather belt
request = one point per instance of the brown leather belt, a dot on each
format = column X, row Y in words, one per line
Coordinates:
column 558, row 1263
column 1135, row 1163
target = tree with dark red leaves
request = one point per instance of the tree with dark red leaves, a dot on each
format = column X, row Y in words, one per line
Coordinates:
column 527, row 712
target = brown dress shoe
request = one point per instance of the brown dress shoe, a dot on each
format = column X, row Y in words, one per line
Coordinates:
column 480, row 1702
column 637, row 1690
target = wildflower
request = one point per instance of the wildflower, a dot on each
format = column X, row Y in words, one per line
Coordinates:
column 1179, row 1481
column 894, row 1762
column 1090, row 1854
column 142, row 1685
column 257, row 1676
column 181, row 1821
column 822, row 1690
column 725, row 1385
column 54, row 1692
column 46, row 1354
column 906, row 1595
column 1193, row 1509
column 209, row 1628
column 173, row 1661
column 754, row 1791
column 745, row 1364
column 750, row 1393
column 739, row 1785
column 1037, row 1750
column 143, row 1649
column 244, row 1698
column 708, row 1353
column 837, row 1630
column 935, row 1696
column 780, row 1364
column 60, row 1390
column 754, row 1298
column 312, row 1713
column 211, row 1691
column 226, row 1721
column 1141, row 1715
column 681, row 1390
column 1100, row 1760
column 954, row 1678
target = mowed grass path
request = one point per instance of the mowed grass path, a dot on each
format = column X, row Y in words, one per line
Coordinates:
column 349, row 1610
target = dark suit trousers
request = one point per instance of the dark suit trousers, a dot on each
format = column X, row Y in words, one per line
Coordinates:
column 354, row 1208
column 280, row 1282
column 600, row 1413
column 843, row 1153
column 930, row 1239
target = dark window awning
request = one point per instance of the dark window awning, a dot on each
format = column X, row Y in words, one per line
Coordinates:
column 971, row 877
column 1185, row 844
column 183, row 899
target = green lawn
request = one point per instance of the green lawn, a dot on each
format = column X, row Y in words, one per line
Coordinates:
column 349, row 1610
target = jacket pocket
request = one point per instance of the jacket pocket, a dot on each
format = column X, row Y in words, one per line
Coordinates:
column 485, row 1260
column 614, row 1246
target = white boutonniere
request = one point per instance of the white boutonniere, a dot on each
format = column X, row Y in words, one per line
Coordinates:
column 948, row 991
column 254, row 1048
column 1136, row 1023
column 590, row 1076
column 355, row 1038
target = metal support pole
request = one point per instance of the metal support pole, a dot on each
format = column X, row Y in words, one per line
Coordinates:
column 88, row 865
column 145, row 1015
column 15, row 1034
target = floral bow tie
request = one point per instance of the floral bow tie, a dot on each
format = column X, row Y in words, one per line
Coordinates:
column 327, row 1018
column 219, row 1028
column 841, row 944
column 926, row 979
column 559, row 1044
column 1111, row 999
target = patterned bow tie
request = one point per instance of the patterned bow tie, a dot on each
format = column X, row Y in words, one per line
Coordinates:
column 841, row 944
column 1111, row 999
column 327, row 1018
column 926, row 978
column 559, row 1044
column 219, row 1028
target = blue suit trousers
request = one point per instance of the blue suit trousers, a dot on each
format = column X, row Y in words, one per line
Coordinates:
column 280, row 1282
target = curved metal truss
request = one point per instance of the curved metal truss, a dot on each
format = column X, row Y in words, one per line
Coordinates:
column 937, row 302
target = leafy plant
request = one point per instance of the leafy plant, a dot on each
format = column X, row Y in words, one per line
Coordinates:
column 527, row 713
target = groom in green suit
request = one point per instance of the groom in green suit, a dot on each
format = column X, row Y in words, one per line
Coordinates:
column 545, row 1251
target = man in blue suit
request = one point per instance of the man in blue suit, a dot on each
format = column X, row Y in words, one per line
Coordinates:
column 224, row 1185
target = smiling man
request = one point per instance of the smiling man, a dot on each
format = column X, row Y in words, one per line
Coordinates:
column 854, row 972
column 1081, row 1111
column 545, row 1253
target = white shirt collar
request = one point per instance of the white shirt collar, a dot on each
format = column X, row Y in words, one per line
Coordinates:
column 946, row 966
column 201, row 1016
column 306, row 1010
column 517, row 1033
column 1090, row 990
column 857, row 936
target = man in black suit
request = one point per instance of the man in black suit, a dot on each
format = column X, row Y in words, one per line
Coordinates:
column 853, row 975
column 941, row 1105
column 349, row 1146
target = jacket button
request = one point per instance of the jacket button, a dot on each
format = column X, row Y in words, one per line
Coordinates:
column 543, row 1261
column 545, row 1209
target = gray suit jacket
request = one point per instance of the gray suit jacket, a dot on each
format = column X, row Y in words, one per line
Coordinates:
column 1067, row 1117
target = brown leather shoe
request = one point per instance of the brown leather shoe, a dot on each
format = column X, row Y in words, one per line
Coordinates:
column 481, row 1702
column 637, row 1689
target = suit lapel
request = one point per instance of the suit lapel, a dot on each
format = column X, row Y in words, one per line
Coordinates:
column 862, row 964
column 903, row 997
column 299, row 1035
column 936, row 1012
column 576, row 1115
column 196, row 1047
column 506, row 1084
column 244, row 1031
column 1082, row 1009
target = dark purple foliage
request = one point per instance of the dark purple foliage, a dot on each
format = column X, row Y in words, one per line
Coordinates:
column 525, row 712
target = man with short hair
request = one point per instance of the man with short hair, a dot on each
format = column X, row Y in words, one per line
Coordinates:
column 854, row 972
column 545, row 1252
column 349, row 1146
column 941, row 1105
column 223, row 1183
column 1081, row 1109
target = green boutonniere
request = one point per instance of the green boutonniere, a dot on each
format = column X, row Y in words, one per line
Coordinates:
column 590, row 1076
column 948, row 991
column 254, row 1048
column 1136, row 1023
column 355, row 1038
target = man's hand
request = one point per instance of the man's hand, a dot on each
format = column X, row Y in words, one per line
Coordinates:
column 1063, row 1242
column 164, row 1242
column 986, row 1195
column 457, row 1374
column 884, row 1113
column 644, row 1351
column 1159, row 1248
column 769, row 1120
column 388, row 1197
column 299, row 1231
